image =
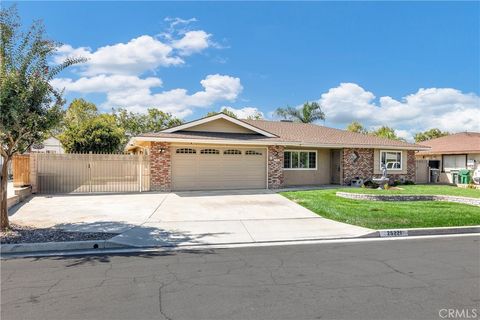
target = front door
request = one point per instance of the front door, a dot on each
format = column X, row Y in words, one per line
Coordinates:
column 335, row 167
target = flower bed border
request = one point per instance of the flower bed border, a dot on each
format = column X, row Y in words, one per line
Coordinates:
column 409, row 197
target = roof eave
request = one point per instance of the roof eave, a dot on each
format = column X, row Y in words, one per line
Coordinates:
column 275, row 142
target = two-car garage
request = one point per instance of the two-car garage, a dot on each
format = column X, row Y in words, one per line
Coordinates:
column 218, row 168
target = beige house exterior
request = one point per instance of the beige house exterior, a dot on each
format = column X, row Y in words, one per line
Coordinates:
column 452, row 153
column 221, row 152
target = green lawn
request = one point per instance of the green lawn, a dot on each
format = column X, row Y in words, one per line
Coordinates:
column 384, row 214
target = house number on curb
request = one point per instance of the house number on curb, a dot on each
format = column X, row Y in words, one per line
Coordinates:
column 393, row 233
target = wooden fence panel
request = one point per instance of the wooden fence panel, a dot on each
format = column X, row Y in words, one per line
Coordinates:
column 21, row 170
column 422, row 171
column 93, row 173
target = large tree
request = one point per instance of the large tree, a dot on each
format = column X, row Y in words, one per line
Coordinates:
column 430, row 134
column 386, row 132
column 29, row 106
column 153, row 120
column 224, row 111
column 85, row 130
column 308, row 113
column 357, row 127
column 99, row 134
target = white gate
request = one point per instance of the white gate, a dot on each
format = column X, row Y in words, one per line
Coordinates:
column 92, row 173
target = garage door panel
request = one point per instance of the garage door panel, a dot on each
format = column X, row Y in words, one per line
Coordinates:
column 219, row 171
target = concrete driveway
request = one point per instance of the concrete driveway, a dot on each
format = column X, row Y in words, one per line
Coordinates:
column 221, row 217
column 89, row 213
column 185, row 218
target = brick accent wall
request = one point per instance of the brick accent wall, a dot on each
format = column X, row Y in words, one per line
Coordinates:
column 357, row 163
column 360, row 163
column 275, row 167
column 160, row 167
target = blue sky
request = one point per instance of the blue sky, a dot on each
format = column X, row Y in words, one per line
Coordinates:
column 411, row 65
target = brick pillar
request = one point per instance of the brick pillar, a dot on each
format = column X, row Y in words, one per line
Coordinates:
column 275, row 167
column 34, row 172
column 411, row 166
column 357, row 162
column 160, row 167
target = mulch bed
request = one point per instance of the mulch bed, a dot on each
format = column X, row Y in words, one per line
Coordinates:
column 23, row 234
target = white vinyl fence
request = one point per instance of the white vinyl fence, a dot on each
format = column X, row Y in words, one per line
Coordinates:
column 92, row 173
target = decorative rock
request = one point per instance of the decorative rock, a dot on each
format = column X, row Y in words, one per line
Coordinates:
column 409, row 197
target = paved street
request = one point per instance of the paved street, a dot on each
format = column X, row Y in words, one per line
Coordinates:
column 407, row 279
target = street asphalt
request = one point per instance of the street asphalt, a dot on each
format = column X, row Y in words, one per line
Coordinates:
column 401, row 279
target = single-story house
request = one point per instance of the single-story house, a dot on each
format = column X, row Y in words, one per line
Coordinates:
column 221, row 152
column 50, row 145
column 452, row 153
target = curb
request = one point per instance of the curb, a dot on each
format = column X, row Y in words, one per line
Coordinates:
column 414, row 232
column 70, row 247
column 58, row 246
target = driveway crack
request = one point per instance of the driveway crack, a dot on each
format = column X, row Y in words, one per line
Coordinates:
column 245, row 227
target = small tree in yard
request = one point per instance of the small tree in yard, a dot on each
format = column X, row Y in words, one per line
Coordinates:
column 29, row 106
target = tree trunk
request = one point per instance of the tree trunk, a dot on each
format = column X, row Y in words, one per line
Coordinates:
column 4, row 224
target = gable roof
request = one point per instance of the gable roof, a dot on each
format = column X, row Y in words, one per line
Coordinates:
column 238, row 122
column 459, row 143
column 312, row 133
column 277, row 132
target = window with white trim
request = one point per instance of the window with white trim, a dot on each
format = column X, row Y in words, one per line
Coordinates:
column 300, row 160
column 454, row 162
column 209, row 151
column 391, row 159
column 253, row 153
column 186, row 150
column 232, row 151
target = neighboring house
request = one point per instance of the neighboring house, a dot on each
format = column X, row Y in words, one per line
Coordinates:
column 50, row 145
column 221, row 152
column 452, row 153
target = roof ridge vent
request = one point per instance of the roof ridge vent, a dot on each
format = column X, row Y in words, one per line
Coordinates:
column 286, row 120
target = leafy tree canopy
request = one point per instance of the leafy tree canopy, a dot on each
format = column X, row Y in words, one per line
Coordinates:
column 136, row 123
column 430, row 134
column 224, row 111
column 98, row 134
column 382, row 132
column 386, row 132
column 357, row 127
column 308, row 113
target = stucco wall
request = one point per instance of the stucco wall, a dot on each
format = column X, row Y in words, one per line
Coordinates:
column 308, row 177
column 220, row 125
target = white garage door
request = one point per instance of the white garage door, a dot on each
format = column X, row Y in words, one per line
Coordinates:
column 213, row 168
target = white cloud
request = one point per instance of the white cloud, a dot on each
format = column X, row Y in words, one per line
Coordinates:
column 135, row 57
column 118, row 71
column 444, row 108
column 192, row 42
column 244, row 113
column 135, row 93
column 106, row 83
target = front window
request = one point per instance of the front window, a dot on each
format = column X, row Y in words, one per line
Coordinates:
column 391, row 159
column 300, row 160
column 454, row 162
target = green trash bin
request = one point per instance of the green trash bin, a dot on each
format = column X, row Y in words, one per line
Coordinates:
column 464, row 176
